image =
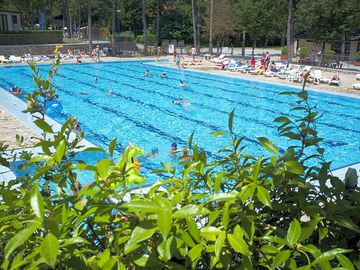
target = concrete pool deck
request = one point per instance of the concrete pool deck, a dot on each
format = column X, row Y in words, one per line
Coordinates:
column 16, row 121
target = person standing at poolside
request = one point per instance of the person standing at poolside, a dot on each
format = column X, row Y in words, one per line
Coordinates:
column 193, row 53
column 97, row 54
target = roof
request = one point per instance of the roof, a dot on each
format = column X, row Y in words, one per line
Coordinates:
column 9, row 11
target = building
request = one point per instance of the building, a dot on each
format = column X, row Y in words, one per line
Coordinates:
column 10, row 21
column 352, row 45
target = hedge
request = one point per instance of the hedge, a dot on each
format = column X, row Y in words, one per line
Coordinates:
column 31, row 37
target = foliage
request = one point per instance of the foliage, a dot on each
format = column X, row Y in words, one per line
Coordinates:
column 31, row 37
column 303, row 51
column 150, row 38
column 284, row 50
column 357, row 56
column 281, row 210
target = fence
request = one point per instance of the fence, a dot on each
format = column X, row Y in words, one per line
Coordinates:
column 37, row 37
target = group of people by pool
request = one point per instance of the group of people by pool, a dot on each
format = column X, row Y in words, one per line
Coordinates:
column 173, row 151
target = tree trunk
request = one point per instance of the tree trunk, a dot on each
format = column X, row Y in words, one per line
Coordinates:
column 266, row 40
column 193, row 9
column 211, row 25
column 113, row 14
column 157, row 24
column 143, row 16
column 66, row 17
column 343, row 48
column 90, row 25
column 253, row 47
column 289, row 38
column 198, row 27
column 243, row 43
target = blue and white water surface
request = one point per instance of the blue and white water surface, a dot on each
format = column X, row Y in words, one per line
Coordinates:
column 140, row 110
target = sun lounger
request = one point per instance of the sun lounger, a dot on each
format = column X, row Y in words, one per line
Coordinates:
column 356, row 86
column 358, row 77
column 15, row 59
column 218, row 59
column 335, row 80
column 3, row 59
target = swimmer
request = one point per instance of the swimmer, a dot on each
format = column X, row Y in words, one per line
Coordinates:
column 76, row 126
column 182, row 84
column 146, row 74
column 186, row 156
column 163, row 75
column 173, row 148
column 110, row 93
column 16, row 90
column 153, row 153
column 84, row 93
column 179, row 101
column 96, row 79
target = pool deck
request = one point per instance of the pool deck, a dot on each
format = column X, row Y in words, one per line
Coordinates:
column 14, row 120
column 14, row 107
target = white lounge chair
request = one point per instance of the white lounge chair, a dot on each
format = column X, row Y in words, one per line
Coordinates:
column 318, row 78
column 3, row 59
column 356, row 86
column 218, row 59
column 358, row 77
column 335, row 80
column 15, row 59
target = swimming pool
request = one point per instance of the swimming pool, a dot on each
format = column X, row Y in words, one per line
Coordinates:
column 141, row 111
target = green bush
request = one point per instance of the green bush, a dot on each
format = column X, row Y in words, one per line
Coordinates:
column 150, row 38
column 125, row 36
column 284, row 50
column 357, row 56
column 236, row 212
column 303, row 51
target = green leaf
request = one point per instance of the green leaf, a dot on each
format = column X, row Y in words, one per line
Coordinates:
column 231, row 118
column 49, row 249
column 219, row 244
column 210, row 233
column 102, row 168
column 294, row 167
column 36, row 202
column 138, row 235
column 347, row 223
column 309, row 228
column 268, row 145
column 112, row 146
column 264, row 196
column 293, row 233
column 238, row 244
column 282, row 119
column 280, row 258
column 143, row 205
column 195, row 253
column 191, row 211
column 43, row 125
column 18, row 239
column 218, row 133
column 225, row 215
column 345, row 262
column 74, row 241
column 329, row 255
column 164, row 220
column 269, row 249
column 193, row 229
column 60, row 151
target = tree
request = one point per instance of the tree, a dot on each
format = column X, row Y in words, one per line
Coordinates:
column 143, row 16
column 113, row 17
column 290, row 24
column 194, row 16
column 211, row 18
column 89, row 28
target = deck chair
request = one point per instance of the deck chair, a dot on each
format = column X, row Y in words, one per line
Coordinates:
column 3, row 59
column 335, row 80
column 356, row 86
column 218, row 59
column 15, row 59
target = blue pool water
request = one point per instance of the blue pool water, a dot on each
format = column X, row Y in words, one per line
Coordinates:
column 141, row 111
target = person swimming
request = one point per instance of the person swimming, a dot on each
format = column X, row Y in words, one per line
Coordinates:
column 163, row 75
column 182, row 84
column 16, row 90
column 96, row 79
column 179, row 101
column 173, row 149
column 110, row 93
column 154, row 151
column 146, row 74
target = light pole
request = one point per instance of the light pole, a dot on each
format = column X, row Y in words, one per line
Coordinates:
column 118, row 11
